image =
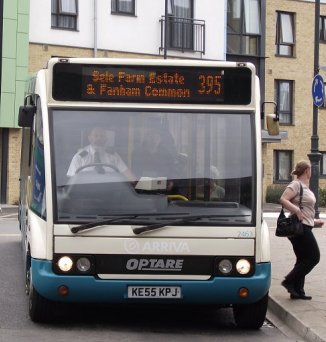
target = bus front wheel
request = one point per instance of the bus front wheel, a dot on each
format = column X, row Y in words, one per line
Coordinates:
column 251, row 316
column 40, row 308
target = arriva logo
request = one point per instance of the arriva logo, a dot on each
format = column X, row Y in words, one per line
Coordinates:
column 134, row 246
column 171, row 265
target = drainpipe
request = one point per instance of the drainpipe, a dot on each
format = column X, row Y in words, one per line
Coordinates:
column 3, row 182
column 95, row 29
column 165, row 28
column 1, row 32
column 4, row 163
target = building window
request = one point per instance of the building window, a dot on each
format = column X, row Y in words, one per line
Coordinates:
column 183, row 31
column 243, row 27
column 323, row 164
column 322, row 29
column 123, row 6
column 181, row 24
column 285, row 34
column 284, row 100
column 282, row 166
column 64, row 14
column 324, row 102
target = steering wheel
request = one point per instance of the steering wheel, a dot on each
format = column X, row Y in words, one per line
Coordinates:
column 97, row 164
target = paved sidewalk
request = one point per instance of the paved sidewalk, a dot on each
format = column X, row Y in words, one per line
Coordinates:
column 307, row 318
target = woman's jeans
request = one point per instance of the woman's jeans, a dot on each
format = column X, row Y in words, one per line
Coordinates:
column 306, row 250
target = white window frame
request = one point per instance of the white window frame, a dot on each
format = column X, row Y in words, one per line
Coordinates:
column 285, row 34
column 323, row 164
column 322, row 28
column 62, row 17
column 284, row 99
column 68, row 11
column 282, row 172
column 117, row 7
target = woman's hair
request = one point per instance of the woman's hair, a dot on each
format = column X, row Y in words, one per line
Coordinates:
column 301, row 167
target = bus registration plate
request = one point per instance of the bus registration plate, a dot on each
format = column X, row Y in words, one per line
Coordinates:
column 154, row 292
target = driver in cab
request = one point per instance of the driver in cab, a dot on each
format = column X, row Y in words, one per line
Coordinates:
column 98, row 157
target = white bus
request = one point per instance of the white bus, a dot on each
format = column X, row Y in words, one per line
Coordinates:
column 141, row 183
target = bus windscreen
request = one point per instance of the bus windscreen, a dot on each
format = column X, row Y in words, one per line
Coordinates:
column 151, row 84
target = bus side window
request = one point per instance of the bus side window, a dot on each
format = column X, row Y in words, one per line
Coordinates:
column 28, row 132
column 38, row 167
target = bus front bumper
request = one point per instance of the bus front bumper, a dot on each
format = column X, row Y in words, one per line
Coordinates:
column 89, row 289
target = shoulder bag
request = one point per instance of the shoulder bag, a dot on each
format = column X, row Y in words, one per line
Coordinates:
column 289, row 226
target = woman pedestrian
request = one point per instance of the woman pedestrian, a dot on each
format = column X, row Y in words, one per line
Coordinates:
column 305, row 247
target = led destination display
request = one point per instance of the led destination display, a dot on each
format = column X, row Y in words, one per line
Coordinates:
column 151, row 84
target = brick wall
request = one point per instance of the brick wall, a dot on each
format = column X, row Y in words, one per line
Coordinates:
column 40, row 54
column 300, row 69
column 13, row 166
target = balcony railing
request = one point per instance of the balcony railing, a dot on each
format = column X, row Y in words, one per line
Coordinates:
column 182, row 34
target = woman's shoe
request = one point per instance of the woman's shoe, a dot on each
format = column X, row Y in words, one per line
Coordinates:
column 290, row 288
column 292, row 296
column 301, row 296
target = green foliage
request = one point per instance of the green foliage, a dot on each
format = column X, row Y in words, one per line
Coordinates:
column 322, row 197
column 274, row 192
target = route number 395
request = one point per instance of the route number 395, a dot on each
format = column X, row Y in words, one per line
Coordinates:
column 209, row 84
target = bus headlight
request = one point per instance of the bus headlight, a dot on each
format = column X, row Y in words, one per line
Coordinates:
column 83, row 264
column 65, row 264
column 225, row 266
column 243, row 266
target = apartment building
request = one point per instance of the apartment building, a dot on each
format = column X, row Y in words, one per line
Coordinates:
column 128, row 28
column 277, row 36
column 289, row 72
column 14, row 16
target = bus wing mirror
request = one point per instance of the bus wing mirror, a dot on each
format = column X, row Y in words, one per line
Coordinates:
column 26, row 115
column 272, row 119
column 272, row 124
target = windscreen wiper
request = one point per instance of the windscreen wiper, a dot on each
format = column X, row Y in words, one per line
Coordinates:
column 176, row 222
column 99, row 223
column 115, row 219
